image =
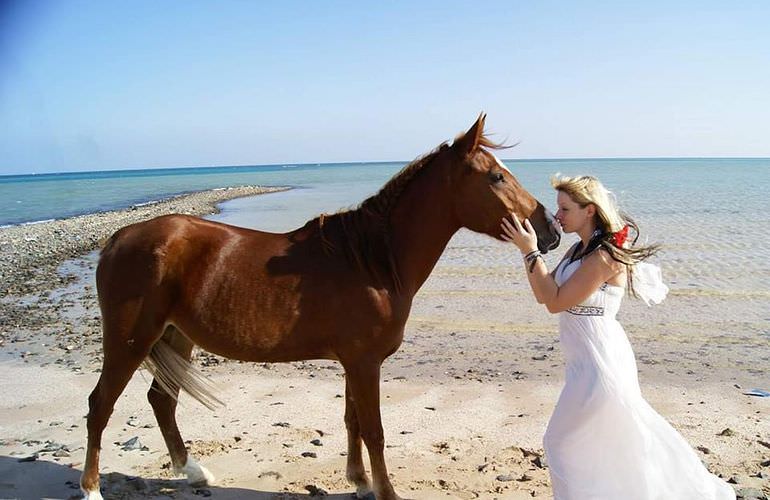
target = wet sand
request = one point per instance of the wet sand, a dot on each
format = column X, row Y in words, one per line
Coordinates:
column 465, row 400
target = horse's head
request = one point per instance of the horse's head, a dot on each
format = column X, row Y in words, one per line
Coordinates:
column 485, row 191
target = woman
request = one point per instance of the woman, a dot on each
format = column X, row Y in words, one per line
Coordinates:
column 604, row 441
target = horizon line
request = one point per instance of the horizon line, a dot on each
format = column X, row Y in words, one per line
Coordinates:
column 364, row 162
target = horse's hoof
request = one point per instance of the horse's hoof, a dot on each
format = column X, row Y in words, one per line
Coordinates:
column 197, row 475
column 92, row 495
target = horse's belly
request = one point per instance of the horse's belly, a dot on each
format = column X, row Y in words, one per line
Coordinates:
column 287, row 320
column 259, row 340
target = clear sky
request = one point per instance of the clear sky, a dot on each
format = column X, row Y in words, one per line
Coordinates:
column 92, row 85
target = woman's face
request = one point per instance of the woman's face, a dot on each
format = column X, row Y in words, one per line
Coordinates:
column 571, row 216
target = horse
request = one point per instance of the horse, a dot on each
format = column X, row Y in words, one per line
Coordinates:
column 338, row 288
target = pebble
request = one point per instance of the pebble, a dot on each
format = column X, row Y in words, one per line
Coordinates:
column 133, row 444
column 750, row 494
column 52, row 446
column 315, row 491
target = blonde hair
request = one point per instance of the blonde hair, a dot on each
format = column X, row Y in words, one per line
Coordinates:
column 587, row 190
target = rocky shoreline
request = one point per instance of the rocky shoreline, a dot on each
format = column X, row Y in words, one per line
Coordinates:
column 30, row 254
column 48, row 306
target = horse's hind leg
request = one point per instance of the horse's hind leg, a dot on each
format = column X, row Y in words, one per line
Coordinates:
column 356, row 473
column 125, row 347
column 164, row 406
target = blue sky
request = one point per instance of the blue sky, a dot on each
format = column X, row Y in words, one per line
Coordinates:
column 107, row 85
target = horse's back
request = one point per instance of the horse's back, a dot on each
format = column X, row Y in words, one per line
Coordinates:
column 183, row 232
column 145, row 241
column 153, row 252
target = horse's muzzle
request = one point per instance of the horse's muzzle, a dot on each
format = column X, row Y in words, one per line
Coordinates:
column 554, row 234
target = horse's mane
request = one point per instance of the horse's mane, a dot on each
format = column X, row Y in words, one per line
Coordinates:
column 380, row 204
column 365, row 238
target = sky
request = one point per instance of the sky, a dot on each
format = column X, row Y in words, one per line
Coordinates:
column 90, row 85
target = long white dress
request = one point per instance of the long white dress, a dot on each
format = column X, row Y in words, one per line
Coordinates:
column 604, row 441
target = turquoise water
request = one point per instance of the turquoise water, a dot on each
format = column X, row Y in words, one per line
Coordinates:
column 30, row 198
column 709, row 213
column 656, row 186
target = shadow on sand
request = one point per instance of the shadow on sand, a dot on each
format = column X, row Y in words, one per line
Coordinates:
column 50, row 480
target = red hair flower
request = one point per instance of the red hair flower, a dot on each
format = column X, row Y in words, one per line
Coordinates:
column 619, row 237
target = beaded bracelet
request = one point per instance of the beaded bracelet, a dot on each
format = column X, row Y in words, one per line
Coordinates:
column 531, row 258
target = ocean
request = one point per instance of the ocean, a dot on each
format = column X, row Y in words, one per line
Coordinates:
column 708, row 213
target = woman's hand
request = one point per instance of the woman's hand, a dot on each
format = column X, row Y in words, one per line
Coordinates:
column 523, row 236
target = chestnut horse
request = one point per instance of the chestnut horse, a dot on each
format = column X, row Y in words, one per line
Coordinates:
column 338, row 288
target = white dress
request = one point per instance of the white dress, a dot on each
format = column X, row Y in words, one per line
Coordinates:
column 604, row 441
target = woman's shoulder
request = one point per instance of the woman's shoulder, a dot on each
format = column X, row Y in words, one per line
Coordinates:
column 601, row 257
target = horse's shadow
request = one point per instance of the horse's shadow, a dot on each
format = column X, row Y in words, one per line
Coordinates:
column 43, row 479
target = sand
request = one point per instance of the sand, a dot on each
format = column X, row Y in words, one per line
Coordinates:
column 465, row 401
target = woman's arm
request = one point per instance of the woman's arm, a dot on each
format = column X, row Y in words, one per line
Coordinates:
column 597, row 268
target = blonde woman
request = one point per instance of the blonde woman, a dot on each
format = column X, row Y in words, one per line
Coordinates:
column 604, row 441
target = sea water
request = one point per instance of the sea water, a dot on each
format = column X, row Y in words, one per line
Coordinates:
column 709, row 214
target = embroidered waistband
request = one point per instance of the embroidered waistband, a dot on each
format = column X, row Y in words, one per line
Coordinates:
column 580, row 310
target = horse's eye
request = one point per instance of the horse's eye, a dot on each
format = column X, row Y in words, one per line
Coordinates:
column 497, row 177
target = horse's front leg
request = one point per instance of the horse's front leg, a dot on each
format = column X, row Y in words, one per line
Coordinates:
column 363, row 381
column 356, row 473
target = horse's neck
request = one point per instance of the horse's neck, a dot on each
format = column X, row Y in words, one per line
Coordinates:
column 422, row 223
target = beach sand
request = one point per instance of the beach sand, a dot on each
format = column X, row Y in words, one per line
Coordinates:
column 465, row 401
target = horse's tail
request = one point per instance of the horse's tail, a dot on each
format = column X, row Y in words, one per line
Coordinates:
column 174, row 372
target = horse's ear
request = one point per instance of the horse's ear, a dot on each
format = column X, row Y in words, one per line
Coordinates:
column 468, row 143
